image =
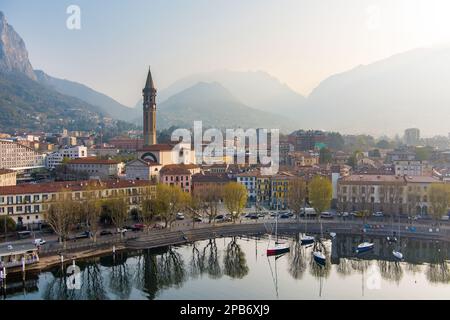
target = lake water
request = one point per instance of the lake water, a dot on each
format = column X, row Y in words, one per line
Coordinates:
column 238, row 268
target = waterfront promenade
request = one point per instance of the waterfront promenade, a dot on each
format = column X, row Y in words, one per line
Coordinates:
column 183, row 233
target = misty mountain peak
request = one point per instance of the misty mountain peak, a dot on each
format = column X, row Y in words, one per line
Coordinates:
column 13, row 53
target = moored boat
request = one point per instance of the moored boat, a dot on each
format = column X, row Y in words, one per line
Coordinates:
column 397, row 254
column 319, row 257
column 306, row 240
column 365, row 246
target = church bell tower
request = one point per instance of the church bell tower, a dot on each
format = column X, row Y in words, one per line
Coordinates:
column 149, row 95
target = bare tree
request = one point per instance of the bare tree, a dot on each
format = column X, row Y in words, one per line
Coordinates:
column 61, row 215
column 296, row 196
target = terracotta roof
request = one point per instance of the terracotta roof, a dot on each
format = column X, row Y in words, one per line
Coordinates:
column 421, row 179
column 92, row 161
column 178, row 168
column 373, row 179
column 52, row 187
column 213, row 178
column 158, row 147
column 148, row 163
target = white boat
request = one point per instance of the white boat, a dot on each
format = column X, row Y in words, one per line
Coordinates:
column 319, row 257
column 333, row 234
column 304, row 240
column 365, row 246
column 278, row 247
column 397, row 254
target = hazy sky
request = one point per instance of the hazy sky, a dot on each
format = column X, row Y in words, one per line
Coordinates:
column 300, row 42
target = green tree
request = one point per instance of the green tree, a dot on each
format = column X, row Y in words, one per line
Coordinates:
column 325, row 156
column 296, row 196
column 7, row 224
column 320, row 194
column 439, row 199
column 172, row 200
column 235, row 198
column 383, row 144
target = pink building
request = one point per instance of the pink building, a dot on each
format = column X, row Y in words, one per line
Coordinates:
column 179, row 175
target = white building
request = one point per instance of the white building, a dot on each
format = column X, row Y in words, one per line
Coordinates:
column 412, row 168
column 142, row 170
column 97, row 168
column 56, row 158
column 15, row 156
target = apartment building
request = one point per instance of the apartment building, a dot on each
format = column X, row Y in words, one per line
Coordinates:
column 179, row 175
column 96, row 168
column 56, row 158
column 19, row 157
column 27, row 203
column 8, row 177
column 390, row 194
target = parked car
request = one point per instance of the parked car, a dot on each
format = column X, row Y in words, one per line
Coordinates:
column 123, row 230
column 83, row 235
column 344, row 214
column 197, row 219
column 180, row 216
column 39, row 242
column 326, row 215
column 284, row 216
column 378, row 214
column 105, row 233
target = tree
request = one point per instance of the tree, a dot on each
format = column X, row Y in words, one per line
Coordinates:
column 325, row 156
column 439, row 199
column 335, row 141
column 297, row 195
column 209, row 200
column 172, row 200
column 383, row 144
column 320, row 194
column 91, row 208
column 413, row 199
column 194, row 205
column 61, row 215
column 150, row 209
column 118, row 211
column 235, row 198
column 7, row 224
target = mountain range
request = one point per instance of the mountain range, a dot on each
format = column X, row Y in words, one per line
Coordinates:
column 406, row 90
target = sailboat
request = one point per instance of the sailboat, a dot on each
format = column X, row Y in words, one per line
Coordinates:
column 392, row 239
column 305, row 239
column 318, row 255
column 396, row 253
column 278, row 247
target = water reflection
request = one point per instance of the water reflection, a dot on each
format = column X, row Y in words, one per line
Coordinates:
column 205, row 268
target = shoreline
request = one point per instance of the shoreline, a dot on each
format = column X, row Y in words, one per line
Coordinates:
column 164, row 238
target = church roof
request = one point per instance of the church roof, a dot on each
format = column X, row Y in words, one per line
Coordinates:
column 158, row 147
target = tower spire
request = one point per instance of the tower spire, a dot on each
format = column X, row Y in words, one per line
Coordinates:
column 149, row 83
column 149, row 104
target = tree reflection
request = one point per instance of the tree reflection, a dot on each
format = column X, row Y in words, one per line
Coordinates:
column 120, row 278
column 57, row 288
column 344, row 268
column 212, row 259
column 197, row 262
column 438, row 270
column 360, row 265
column 297, row 260
column 390, row 270
column 235, row 264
